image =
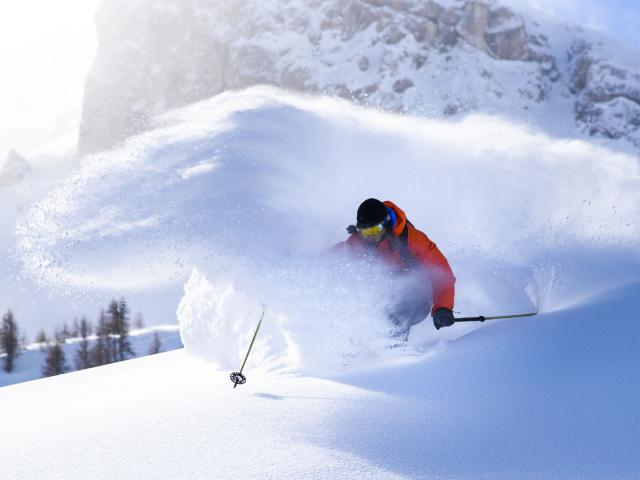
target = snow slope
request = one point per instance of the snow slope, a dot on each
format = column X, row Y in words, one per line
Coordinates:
column 233, row 202
column 549, row 397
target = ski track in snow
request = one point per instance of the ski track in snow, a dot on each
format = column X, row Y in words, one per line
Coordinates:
column 239, row 197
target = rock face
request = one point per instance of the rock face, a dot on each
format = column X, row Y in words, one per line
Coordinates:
column 416, row 56
column 14, row 170
column 608, row 94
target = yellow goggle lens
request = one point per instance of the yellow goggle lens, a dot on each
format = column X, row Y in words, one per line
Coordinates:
column 372, row 232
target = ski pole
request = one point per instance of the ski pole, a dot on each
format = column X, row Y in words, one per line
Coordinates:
column 482, row 318
column 237, row 377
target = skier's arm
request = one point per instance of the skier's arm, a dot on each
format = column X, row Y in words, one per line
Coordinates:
column 440, row 273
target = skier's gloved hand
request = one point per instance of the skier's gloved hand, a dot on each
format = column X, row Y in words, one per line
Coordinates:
column 443, row 317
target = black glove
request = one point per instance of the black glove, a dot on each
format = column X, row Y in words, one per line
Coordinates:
column 443, row 317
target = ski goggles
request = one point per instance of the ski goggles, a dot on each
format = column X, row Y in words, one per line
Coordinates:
column 375, row 231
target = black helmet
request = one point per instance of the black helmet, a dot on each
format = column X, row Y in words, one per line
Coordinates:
column 372, row 212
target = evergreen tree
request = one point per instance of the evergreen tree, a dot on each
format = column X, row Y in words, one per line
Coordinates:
column 65, row 333
column 41, row 337
column 119, row 322
column 9, row 341
column 83, row 353
column 55, row 361
column 75, row 329
column 101, row 351
column 42, row 340
column 155, row 345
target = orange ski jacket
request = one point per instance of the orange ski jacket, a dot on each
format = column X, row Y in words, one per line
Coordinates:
column 405, row 246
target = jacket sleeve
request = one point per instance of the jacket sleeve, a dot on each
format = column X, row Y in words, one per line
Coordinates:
column 440, row 273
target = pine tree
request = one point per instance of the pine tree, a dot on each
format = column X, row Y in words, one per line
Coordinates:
column 101, row 351
column 119, row 322
column 55, row 361
column 65, row 333
column 41, row 337
column 155, row 345
column 42, row 340
column 83, row 353
column 9, row 341
column 75, row 329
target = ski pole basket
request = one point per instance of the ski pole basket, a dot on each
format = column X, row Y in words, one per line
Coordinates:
column 238, row 379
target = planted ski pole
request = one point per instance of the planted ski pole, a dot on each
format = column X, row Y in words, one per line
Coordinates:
column 238, row 378
column 482, row 318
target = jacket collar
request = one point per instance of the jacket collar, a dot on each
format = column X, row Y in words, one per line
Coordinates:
column 401, row 218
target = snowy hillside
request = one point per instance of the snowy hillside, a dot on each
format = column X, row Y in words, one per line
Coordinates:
column 549, row 397
column 224, row 146
column 28, row 365
column 233, row 202
column 444, row 58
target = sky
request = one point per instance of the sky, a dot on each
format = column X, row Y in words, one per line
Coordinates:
column 618, row 18
column 46, row 50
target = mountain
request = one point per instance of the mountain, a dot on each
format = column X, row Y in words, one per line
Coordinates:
column 607, row 89
column 553, row 396
column 428, row 58
column 227, row 206
column 14, row 170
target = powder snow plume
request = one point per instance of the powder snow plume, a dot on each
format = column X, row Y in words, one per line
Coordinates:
column 234, row 201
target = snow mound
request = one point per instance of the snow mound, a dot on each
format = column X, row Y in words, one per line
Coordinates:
column 317, row 320
column 216, row 323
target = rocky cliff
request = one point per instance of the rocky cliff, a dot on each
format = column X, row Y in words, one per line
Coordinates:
column 422, row 57
column 607, row 91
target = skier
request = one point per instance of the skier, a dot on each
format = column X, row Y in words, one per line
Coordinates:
column 382, row 230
